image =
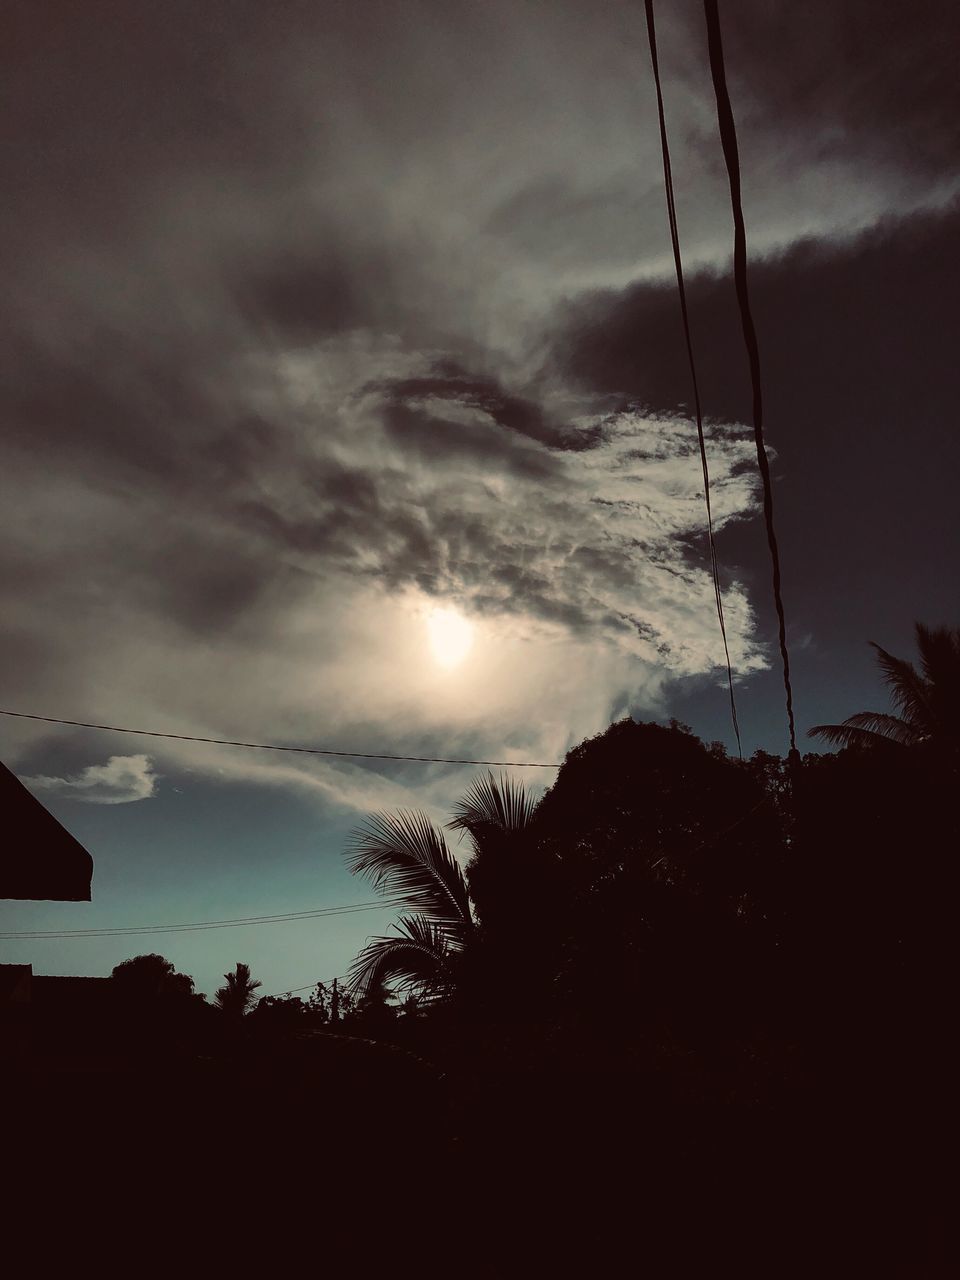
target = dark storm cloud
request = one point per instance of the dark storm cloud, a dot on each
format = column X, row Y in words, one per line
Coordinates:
column 570, row 218
column 143, row 80
column 308, row 300
column 861, row 383
column 451, row 384
column 851, row 331
column 430, row 432
column 278, row 284
column 865, row 80
column 98, row 408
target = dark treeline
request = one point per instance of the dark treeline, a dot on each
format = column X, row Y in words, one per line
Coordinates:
column 682, row 1005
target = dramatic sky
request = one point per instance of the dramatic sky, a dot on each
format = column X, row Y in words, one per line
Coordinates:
column 329, row 325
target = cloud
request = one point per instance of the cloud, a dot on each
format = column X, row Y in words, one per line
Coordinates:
column 860, row 385
column 121, row 780
column 316, row 341
column 295, row 599
column 825, row 309
column 864, row 83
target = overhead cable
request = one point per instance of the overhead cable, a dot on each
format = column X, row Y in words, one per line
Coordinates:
column 271, row 746
column 317, row 913
column 678, row 262
column 728, row 138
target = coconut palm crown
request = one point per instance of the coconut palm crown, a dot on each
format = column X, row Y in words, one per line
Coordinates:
column 236, row 997
column 406, row 857
column 927, row 700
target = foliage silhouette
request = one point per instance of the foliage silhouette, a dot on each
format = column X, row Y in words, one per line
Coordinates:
column 633, row 873
column 695, row 964
column 514, row 890
column 928, row 700
column 237, row 995
column 149, row 977
column 406, row 857
column 157, row 1010
column 660, row 845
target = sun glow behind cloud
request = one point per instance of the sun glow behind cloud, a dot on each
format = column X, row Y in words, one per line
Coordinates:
column 451, row 636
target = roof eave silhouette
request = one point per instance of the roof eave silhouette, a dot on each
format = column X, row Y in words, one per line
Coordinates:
column 39, row 859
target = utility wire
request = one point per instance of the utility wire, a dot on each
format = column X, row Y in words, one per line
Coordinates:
column 201, row 925
column 290, row 991
column 270, row 746
column 678, row 262
column 707, row 842
column 728, row 138
column 314, row 913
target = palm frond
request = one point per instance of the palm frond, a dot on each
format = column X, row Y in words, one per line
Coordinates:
column 420, row 957
column 928, row 700
column 237, row 994
column 940, row 661
column 851, row 735
column 502, row 803
column 907, row 688
column 406, row 858
column 893, row 728
column 939, row 649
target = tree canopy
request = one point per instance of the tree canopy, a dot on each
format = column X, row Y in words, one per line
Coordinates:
column 150, row 977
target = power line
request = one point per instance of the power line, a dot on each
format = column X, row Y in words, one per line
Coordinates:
column 310, row 986
column 678, row 262
column 202, row 925
column 290, row 991
column 286, row 917
column 270, row 746
column 728, row 138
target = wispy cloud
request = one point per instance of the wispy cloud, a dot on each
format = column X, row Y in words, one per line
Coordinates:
column 284, row 369
column 121, row 780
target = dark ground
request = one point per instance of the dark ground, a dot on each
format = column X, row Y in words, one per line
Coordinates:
column 498, row 1161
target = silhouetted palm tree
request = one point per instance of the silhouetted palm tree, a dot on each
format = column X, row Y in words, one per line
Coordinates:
column 236, row 997
column 928, row 700
column 494, row 811
column 407, row 857
column 504, row 877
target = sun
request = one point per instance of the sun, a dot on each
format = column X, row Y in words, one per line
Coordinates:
column 451, row 636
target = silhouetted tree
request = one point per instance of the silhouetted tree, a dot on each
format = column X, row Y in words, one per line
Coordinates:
column 876, row 826
column 372, row 1012
column 637, row 871
column 406, row 857
column 159, row 1010
column 342, row 1002
column 496, row 815
column 650, row 801
column 318, row 1004
column 149, row 977
column 659, row 844
column 409, row 1007
column 236, row 997
column 439, row 948
column 513, row 882
column 279, row 1011
column 928, row 700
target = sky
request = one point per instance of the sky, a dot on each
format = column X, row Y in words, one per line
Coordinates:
column 338, row 334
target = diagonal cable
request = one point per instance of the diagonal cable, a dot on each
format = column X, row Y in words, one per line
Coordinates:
column 272, row 746
column 728, row 138
column 678, row 262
